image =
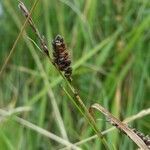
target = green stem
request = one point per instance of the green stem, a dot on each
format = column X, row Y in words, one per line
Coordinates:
column 81, row 106
column 76, row 97
column 87, row 115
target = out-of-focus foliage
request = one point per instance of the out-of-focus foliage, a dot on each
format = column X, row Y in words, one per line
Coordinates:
column 115, row 75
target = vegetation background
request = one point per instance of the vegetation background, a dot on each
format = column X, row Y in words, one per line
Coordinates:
column 109, row 42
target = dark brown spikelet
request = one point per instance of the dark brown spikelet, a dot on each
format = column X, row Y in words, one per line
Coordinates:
column 61, row 56
column 145, row 138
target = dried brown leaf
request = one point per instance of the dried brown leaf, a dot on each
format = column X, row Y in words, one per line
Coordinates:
column 120, row 125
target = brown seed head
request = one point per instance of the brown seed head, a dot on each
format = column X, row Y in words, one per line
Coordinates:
column 61, row 56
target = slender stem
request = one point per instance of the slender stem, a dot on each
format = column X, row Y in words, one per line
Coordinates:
column 81, row 106
column 76, row 97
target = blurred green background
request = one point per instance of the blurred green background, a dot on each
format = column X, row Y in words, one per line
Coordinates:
column 109, row 42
